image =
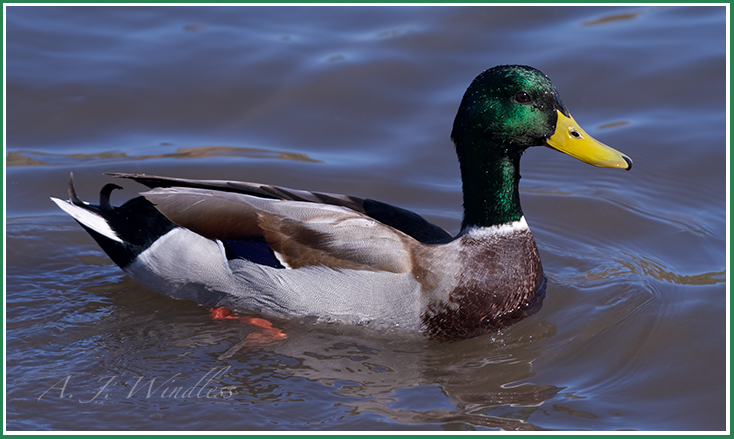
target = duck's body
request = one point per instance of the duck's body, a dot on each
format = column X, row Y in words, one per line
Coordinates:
column 286, row 253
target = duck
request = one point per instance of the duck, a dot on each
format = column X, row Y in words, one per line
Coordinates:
column 288, row 254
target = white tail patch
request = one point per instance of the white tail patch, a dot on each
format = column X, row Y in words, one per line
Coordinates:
column 88, row 218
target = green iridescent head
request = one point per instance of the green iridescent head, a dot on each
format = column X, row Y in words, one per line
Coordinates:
column 515, row 107
column 506, row 110
column 509, row 105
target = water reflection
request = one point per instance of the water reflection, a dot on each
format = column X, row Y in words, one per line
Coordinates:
column 489, row 389
column 644, row 266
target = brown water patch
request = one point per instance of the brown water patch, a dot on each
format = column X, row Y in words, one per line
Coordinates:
column 611, row 19
column 18, row 158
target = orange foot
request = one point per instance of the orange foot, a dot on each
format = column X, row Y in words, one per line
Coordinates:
column 265, row 332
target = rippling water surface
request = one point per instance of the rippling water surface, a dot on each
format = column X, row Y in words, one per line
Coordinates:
column 360, row 100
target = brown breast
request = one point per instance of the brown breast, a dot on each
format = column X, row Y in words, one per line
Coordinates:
column 502, row 283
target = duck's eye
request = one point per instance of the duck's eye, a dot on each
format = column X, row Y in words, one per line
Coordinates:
column 522, row 97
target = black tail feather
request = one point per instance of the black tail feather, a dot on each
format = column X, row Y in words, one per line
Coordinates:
column 72, row 193
column 104, row 196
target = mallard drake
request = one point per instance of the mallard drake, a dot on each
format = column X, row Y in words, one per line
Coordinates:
column 288, row 253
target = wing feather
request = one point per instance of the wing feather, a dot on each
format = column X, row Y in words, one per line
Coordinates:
column 300, row 233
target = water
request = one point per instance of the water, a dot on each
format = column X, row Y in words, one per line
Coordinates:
column 633, row 333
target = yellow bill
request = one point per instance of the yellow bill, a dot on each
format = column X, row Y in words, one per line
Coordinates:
column 569, row 138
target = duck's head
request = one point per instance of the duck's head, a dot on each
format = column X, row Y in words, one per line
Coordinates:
column 507, row 109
